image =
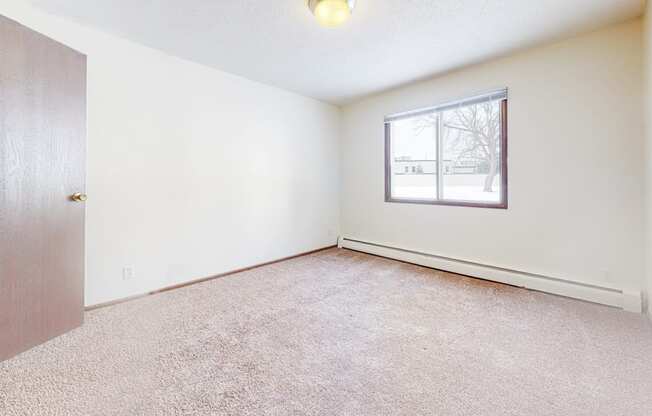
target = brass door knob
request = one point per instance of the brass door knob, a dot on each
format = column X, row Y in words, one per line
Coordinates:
column 79, row 197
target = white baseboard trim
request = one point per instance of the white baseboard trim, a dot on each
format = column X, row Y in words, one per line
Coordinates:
column 628, row 300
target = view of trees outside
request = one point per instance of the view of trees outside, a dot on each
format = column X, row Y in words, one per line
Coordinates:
column 471, row 137
column 470, row 154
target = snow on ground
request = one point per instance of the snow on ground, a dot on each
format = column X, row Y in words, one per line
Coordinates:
column 452, row 193
column 456, row 188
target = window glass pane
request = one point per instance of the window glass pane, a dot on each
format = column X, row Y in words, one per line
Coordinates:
column 414, row 158
column 471, row 153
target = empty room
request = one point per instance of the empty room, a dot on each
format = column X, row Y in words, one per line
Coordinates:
column 326, row 207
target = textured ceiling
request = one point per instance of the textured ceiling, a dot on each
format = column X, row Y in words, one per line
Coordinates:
column 386, row 43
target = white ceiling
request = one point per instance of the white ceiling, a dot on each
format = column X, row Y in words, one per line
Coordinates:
column 386, row 43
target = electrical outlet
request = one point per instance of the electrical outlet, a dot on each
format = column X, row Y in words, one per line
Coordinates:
column 128, row 273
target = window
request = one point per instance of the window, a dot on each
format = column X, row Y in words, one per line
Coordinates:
column 452, row 154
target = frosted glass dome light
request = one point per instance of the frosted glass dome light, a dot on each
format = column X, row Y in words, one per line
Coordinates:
column 331, row 13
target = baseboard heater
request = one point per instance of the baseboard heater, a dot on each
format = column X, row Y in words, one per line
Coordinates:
column 628, row 300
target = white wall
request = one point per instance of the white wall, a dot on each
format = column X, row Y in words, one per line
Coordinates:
column 575, row 165
column 647, row 67
column 191, row 171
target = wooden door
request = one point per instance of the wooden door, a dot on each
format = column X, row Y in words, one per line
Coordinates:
column 42, row 164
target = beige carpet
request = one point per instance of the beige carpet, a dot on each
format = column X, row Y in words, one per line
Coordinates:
column 341, row 333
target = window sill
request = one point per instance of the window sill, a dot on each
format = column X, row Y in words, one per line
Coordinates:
column 466, row 204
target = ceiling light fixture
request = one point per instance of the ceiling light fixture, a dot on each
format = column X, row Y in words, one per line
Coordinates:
column 331, row 13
